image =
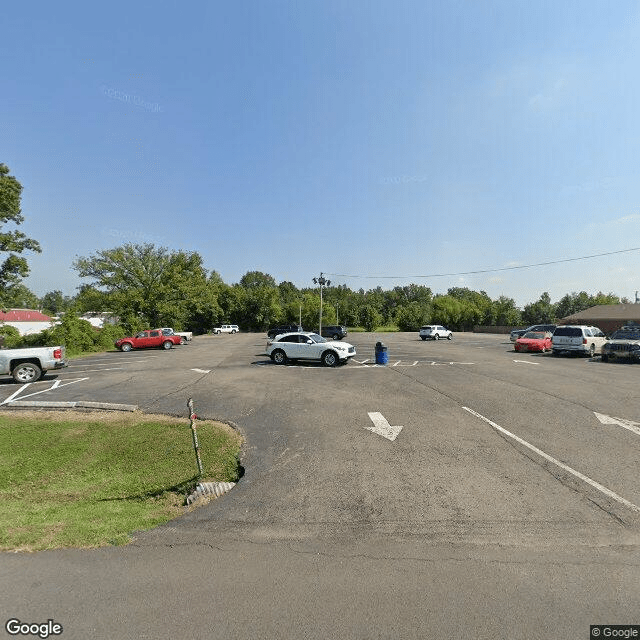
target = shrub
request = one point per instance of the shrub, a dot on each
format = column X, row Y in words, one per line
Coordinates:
column 10, row 335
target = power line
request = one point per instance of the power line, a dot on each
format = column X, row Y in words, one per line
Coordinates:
column 467, row 273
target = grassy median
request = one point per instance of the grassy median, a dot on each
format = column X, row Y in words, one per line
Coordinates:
column 91, row 479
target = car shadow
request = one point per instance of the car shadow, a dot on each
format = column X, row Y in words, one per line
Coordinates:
column 11, row 382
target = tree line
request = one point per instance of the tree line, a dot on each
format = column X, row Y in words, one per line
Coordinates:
column 146, row 286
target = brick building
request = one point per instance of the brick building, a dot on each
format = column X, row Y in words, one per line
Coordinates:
column 607, row 317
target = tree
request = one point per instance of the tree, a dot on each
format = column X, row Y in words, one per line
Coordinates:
column 259, row 307
column 538, row 312
column 370, row 317
column 505, row 312
column 157, row 285
column 54, row 302
column 447, row 311
column 14, row 242
column 254, row 279
column 17, row 296
column 411, row 316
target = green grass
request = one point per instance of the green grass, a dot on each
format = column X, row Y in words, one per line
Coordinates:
column 91, row 479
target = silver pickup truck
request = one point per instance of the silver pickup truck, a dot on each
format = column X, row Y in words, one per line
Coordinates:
column 29, row 365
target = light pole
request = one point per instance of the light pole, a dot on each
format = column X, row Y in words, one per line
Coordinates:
column 323, row 283
column 337, row 308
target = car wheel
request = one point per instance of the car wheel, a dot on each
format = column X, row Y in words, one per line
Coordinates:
column 167, row 344
column 424, row 337
column 279, row 356
column 336, row 336
column 450, row 336
column 544, row 350
column 330, row 359
column 436, row 337
column 217, row 333
column 183, row 340
column 26, row 372
column 592, row 350
column 126, row 347
column 605, row 358
column 233, row 331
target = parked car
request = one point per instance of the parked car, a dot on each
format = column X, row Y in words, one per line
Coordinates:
column 186, row 336
column 337, row 332
column 285, row 328
column 30, row 364
column 624, row 343
column 435, row 332
column 149, row 339
column 226, row 328
column 534, row 341
column 580, row 339
column 305, row 345
column 518, row 333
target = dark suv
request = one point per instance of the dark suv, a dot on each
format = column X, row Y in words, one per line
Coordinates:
column 285, row 328
column 336, row 332
column 624, row 343
column 518, row 333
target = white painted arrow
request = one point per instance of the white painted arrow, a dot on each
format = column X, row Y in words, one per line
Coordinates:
column 526, row 362
column 382, row 427
column 202, row 370
column 621, row 422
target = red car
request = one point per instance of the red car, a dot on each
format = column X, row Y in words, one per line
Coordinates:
column 148, row 339
column 534, row 341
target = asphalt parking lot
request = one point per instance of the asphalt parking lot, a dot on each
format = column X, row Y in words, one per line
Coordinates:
column 506, row 473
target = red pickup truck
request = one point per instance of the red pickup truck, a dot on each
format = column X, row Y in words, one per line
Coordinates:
column 147, row 339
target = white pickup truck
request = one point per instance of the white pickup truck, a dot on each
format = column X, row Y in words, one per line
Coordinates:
column 186, row 336
column 29, row 365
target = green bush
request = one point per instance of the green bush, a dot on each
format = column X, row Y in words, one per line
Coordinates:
column 105, row 337
column 10, row 335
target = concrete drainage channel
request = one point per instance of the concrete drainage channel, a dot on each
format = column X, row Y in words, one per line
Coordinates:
column 210, row 489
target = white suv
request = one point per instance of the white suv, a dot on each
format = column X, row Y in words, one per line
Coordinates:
column 305, row 345
column 227, row 328
column 577, row 339
column 435, row 332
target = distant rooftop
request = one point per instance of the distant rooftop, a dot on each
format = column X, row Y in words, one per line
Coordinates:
column 23, row 315
column 605, row 312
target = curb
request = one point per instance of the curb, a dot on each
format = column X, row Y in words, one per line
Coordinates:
column 110, row 406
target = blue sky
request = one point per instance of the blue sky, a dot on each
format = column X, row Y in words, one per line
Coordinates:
column 379, row 139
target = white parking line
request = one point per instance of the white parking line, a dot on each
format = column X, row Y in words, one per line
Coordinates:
column 12, row 398
column 95, row 370
column 577, row 474
column 20, row 390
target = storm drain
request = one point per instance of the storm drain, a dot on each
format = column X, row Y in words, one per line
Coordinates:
column 210, row 489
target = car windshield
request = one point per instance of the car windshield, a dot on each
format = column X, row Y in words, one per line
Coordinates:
column 316, row 338
column 626, row 334
column 535, row 335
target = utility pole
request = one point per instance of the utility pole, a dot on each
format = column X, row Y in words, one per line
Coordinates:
column 323, row 283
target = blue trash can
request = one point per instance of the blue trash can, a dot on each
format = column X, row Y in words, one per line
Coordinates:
column 382, row 357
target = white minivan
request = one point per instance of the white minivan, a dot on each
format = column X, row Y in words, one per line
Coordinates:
column 577, row 339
